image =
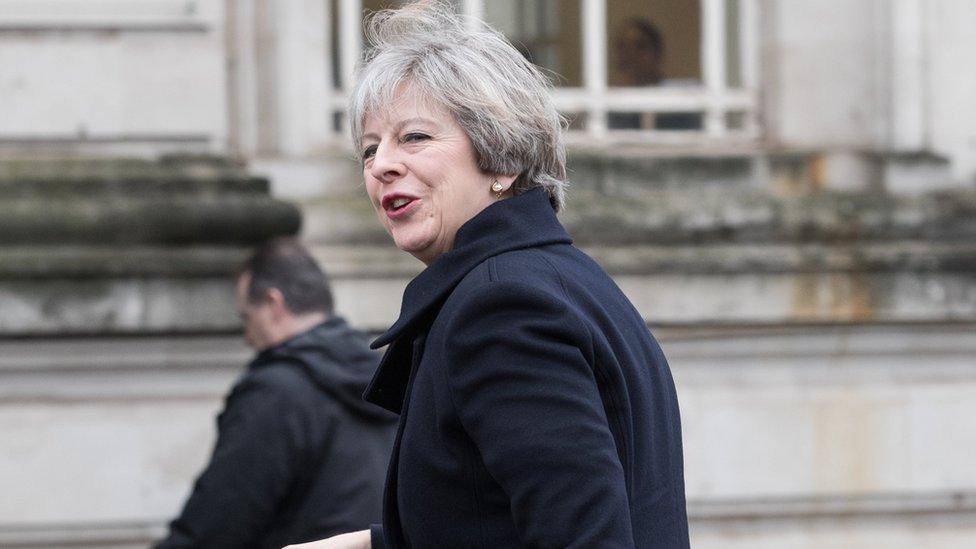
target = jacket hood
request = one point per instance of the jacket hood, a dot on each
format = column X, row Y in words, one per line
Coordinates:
column 337, row 359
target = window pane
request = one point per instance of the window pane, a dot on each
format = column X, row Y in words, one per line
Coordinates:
column 669, row 121
column 735, row 120
column 575, row 121
column 654, row 43
column 368, row 6
column 547, row 32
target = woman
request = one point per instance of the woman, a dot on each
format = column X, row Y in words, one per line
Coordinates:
column 535, row 408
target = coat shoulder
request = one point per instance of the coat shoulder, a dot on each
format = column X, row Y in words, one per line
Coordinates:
column 525, row 270
column 282, row 382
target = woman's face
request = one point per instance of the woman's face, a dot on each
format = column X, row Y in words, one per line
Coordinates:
column 422, row 176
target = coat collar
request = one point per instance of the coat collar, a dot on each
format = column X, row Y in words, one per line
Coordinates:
column 520, row 222
column 523, row 221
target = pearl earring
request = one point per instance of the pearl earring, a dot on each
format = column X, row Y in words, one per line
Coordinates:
column 497, row 188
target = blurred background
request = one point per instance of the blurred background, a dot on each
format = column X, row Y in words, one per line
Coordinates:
column 786, row 189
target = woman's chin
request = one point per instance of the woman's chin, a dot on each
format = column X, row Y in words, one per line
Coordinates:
column 414, row 247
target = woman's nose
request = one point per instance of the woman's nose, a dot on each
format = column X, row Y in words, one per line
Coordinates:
column 386, row 165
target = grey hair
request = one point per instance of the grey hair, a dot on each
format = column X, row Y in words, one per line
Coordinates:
column 502, row 101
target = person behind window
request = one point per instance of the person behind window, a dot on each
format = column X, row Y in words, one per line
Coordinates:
column 536, row 409
column 639, row 52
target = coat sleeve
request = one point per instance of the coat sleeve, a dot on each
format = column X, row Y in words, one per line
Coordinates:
column 259, row 440
column 524, row 387
column 376, row 539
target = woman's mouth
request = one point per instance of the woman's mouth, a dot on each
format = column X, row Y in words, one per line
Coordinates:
column 399, row 206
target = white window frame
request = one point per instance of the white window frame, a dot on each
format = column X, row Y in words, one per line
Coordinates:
column 595, row 98
column 714, row 98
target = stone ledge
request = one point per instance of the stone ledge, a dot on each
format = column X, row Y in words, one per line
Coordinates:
column 754, row 217
column 695, row 217
column 240, row 219
column 173, row 200
column 125, row 534
column 204, row 304
column 129, row 305
column 839, row 505
column 70, row 355
column 132, row 186
column 357, row 262
column 112, row 171
column 78, row 262
column 700, row 346
column 80, row 535
column 790, row 171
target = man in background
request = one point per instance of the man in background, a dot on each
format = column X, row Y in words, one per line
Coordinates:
column 639, row 53
column 299, row 455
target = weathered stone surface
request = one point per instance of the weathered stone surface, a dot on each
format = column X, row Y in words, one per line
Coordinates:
column 118, row 261
column 128, row 246
column 126, row 305
column 710, row 253
column 137, row 202
column 178, row 220
column 698, row 216
column 832, row 430
column 126, row 172
column 634, row 169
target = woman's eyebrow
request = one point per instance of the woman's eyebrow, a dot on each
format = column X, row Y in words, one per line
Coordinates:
column 400, row 125
column 415, row 120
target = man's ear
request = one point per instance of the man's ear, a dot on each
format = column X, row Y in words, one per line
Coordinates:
column 276, row 300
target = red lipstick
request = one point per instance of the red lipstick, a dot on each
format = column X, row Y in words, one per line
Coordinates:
column 398, row 205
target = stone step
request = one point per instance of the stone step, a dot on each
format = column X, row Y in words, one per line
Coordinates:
column 118, row 246
column 111, row 171
column 830, row 427
column 173, row 201
column 177, row 219
column 694, row 217
column 636, row 168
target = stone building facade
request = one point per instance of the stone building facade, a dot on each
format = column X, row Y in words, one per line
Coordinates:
column 803, row 243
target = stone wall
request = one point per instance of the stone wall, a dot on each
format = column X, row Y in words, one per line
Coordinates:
column 116, row 301
column 815, row 291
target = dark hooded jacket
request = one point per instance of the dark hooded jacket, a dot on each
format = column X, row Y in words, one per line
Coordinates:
column 299, row 455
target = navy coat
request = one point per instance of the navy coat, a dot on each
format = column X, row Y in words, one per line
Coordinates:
column 536, row 409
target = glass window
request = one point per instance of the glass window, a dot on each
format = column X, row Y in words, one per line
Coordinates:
column 575, row 121
column 662, row 121
column 654, row 44
column 735, row 120
column 547, row 32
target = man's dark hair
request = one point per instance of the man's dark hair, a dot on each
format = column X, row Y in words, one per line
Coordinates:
column 650, row 35
column 285, row 264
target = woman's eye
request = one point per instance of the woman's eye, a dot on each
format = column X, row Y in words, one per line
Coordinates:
column 369, row 151
column 415, row 137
